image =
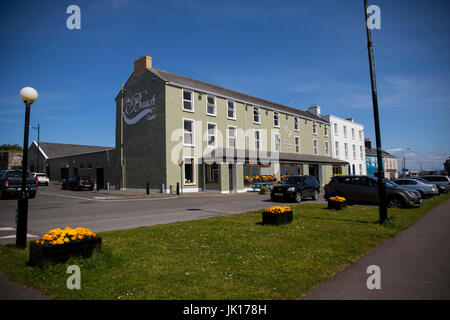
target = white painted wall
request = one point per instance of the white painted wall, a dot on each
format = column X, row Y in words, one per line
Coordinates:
column 357, row 141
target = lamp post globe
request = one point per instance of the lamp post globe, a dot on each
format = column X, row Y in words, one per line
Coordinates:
column 28, row 96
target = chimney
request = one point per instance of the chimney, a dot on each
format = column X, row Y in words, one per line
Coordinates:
column 315, row 110
column 368, row 143
column 350, row 119
column 141, row 64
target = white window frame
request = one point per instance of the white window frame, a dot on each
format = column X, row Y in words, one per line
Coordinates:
column 191, row 101
column 235, row 137
column 275, row 142
column 336, row 130
column 258, row 110
column 316, row 147
column 277, row 115
column 215, row 105
column 325, row 130
column 193, row 133
column 354, row 151
column 297, row 145
column 361, row 153
column 336, row 148
column 259, row 139
column 207, row 135
column 353, row 133
column 314, row 128
column 360, row 135
column 345, row 131
column 193, row 172
column 296, row 124
column 234, row 110
column 327, row 148
column 346, row 150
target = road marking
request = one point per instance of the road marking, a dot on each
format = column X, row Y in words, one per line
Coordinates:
column 7, row 229
column 13, row 236
column 102, row 200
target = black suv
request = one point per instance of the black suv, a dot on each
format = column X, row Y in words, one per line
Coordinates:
column 78, row 183
column 296, row 188
column 364, row 190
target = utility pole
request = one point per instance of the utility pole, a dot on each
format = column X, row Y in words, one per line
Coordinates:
column 381, row 180
column 37, row 152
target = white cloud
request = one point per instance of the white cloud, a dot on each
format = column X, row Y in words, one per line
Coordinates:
column 416, row 160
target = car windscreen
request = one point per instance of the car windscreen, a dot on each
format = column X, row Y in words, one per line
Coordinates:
column 392, row 184
column 291, row 180
column 14, row 174
column 85, row 178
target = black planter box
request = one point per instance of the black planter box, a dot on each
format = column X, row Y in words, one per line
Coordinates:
column 40, row 254
column 276, row 218
column 336, row 205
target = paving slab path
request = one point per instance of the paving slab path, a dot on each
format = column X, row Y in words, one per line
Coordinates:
column 413, row 265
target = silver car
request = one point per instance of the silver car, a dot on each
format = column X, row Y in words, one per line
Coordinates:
column 425, row 189
column 442, row 181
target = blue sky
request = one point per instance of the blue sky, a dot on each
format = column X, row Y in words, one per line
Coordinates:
column 297, row 53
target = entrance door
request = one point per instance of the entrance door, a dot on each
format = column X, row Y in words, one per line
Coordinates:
column 100, row 179
column 64, row 173
column 230, row 177
column 314, row 171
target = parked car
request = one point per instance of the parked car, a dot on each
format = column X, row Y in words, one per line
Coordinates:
column 11, row 183
column 296, row 188
column 42, row 178
column 364, row 190
column 426, row 189
column 78, row 183
column 439, row 181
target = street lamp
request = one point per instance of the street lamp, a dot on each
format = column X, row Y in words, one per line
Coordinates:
column 404, row 162
column 28, row 96
column 38, row 128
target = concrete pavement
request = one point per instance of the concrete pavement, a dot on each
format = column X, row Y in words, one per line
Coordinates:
column 413, row 265
column 14, row 291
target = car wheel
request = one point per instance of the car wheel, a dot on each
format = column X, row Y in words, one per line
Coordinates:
column 422, row 195
column 298, row 196
column 395, row 203
column 316, row 195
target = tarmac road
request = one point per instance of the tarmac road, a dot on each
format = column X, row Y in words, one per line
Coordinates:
column 113, row 210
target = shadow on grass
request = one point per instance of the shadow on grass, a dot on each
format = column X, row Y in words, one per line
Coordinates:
column 333, row 219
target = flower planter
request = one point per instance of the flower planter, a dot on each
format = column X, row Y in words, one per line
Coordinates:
column 40, row 254
column 336, row 205
column 276, row 218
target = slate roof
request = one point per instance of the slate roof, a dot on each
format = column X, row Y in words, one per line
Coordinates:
column 57, row 150
column 373, row 152
column 182, row 81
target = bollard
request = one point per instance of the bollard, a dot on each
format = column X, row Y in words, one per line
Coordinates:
column 178, row 188
column 162, row 188
column 171, row 189
column 148, row 188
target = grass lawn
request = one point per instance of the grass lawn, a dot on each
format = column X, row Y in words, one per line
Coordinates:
column 229, row 257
